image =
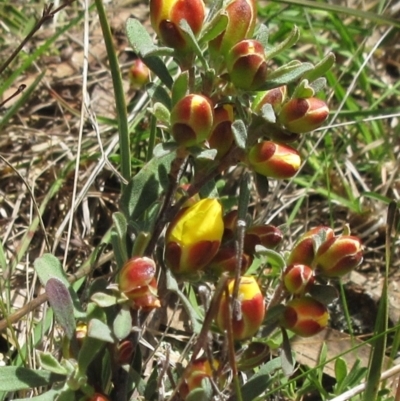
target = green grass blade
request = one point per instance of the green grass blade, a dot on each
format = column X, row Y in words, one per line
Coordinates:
column 122, row 115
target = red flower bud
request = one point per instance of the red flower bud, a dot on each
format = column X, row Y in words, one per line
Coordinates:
column 303, row 115
column 194, row 236
column 125, row 352
column 225, row 261
column 303, row 251
column 137, row 282
column 274, row 160
column 144, row 297
column 165, row 16
column 139, row 74
column 246, row 65
column 242, row 16
column 221, row 137
column 298, row 279
column 192, row 119
column 266, row 235
column 136, row 272
column 252, row 309
column 275, row 97
column 305, row 316
column 338, row 256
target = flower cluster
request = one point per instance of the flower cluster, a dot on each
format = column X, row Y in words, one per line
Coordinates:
column 317, row 254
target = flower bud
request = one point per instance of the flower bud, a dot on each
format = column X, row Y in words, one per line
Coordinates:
column 166, row 15
column 274, row 160
column 338, row 256
column 246, row 65
column 137, row 282
column 221, row 137
column 242, row 16
column 266, row 235
column 275, row 97
column 305, row 316
column 298, row 279
column 125, row 352
column 303, row 115
column 303, row 251
column 226, row 259
column 194, row 236
column 252, row 309
column 139, row 74
column 192, row 119
column 136, row 272
column 144, row 297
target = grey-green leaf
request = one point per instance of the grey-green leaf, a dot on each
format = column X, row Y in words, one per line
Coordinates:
column 15, row 378
column 61, row 302
column 122, row 324
column 99, row 330
column 239, row 133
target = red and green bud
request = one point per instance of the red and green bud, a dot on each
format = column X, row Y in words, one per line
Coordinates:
column 137, row 281
column 304, row 250
column 338, row 256
column 165, row 16
column 275, row 97
column 305, row 316
column 266, row 235
column 303, row 115
column 136, row 272
column 194, row 236
column 144, row 297
column 198, row 370
column 221, row 137
column 298, row 279
column 192, row 119
column 246, row 64
column 139, row 74
column 252, row 309
column 125, row 350
column 274, row 160
column 226, row 260
column 242, row 16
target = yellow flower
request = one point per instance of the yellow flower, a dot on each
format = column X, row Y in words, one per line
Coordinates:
column 194, row 236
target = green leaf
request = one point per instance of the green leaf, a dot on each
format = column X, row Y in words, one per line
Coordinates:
column 158, row 94
column 104, row 300
column 263, row 35
column 61, row 302
column 142, row 43
column 100, row 331
column 321, row 68
column 303, row 90
column 146, row 187
column 180, row 87
column 268, row 113
column 273, row 258
column 340, row 370
column 239, row 133
column 164, row 149
column 47, row 396
column 122, row 324
column 90, row 348
column 17, row 378
column 325, row 294
column 286, row 74
column 49, row 362
column 47, row 267
column 286, row 44
column 212, row 29
column 161, row 112
column 287, row 359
